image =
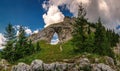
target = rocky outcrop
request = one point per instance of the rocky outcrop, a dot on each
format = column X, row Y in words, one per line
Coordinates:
column 4, row 65
column 101, row 67
column 49, row 67
column 63, row 29
column 117, row 49
column 37, row 65
column 82, row 64
column 21, row 67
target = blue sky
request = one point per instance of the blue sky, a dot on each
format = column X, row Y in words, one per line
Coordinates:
column 21, row 12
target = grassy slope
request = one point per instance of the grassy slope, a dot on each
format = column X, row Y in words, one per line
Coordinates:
column 51, row 53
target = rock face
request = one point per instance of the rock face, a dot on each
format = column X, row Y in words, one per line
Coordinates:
column 101, row 67
column 37, row 65
column 63, row 29
column 4, row 65
column 83, row 64
column 117, row 48
column 21, row 67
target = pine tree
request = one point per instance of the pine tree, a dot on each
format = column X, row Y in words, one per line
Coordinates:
column 22, row 47
column 17, row 48
column 38, row 47
column 31, row 47
column 89, row 43
column 10, row 32
column 9, row 48
column 99, row 37
column 22, row 39
column 79, row 33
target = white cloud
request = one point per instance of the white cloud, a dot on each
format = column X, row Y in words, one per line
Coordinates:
column 2, row 41
column 54, row 41
column 71, row 5
column 53, row 16
column 28, row 31
column 108, row 10
column 36, row 31
column 104, row 7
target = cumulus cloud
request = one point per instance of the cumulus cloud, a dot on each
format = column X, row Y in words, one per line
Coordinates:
column 36, row 31
column 53, row 16
column 2, row 41
column 71, row 5
column 28, row 31
column 108, row 10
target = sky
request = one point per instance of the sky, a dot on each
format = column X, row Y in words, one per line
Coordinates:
column 21, row 12
column 38, row 14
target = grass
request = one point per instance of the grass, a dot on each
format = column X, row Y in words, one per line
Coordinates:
column 51, row 53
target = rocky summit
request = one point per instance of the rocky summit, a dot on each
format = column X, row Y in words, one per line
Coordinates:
column 63, row 30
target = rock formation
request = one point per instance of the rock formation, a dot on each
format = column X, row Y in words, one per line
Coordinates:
column 4, row 65
column 82, row 64
column 63, row 29
column 21, row 67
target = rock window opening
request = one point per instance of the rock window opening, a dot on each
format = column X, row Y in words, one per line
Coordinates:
column 55, row 39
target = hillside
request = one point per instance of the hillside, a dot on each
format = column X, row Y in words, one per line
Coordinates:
column 51, row 53
column 87, row 46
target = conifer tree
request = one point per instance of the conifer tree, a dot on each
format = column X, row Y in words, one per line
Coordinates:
column 78, row 33
column 22, row 42
column 38, row 47
column 9, row 32
column 89, row 43
column 9, row 46
column 99, row 37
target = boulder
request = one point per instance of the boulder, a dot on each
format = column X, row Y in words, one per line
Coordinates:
column 70, row 66
column 101, row 67
column 61, row 66
column 109, row 61
column 49, row 67
column 96, row 60
column 37, row 65
column 21, row 67
column 83, row 62
column 4, row 65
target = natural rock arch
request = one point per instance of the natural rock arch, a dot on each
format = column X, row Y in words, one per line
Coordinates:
column 63, row 29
